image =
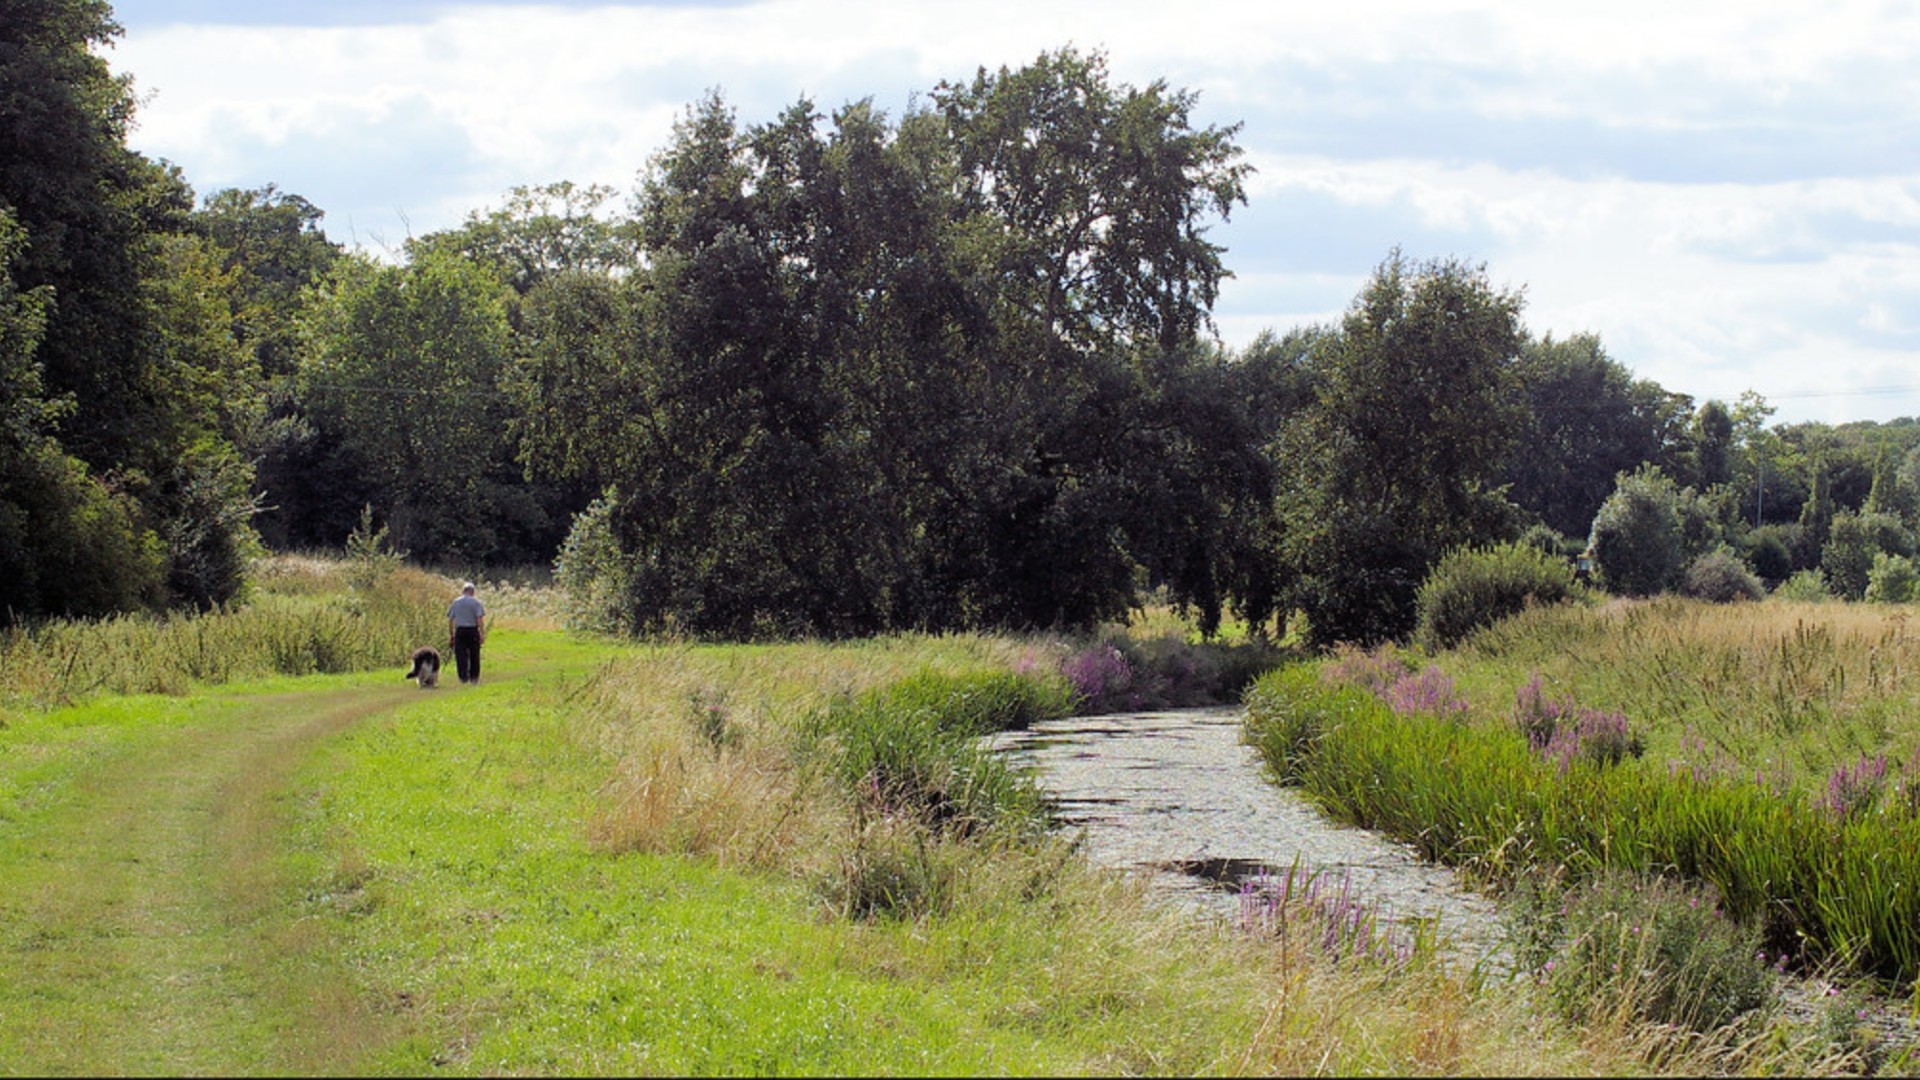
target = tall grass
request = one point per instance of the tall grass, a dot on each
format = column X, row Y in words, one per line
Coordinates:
column 305, row 616
column 1830, row 887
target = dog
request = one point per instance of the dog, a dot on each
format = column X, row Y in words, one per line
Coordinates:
column 426, row 667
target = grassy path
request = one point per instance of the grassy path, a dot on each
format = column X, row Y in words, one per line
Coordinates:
column 148, row 913
column 143, row 898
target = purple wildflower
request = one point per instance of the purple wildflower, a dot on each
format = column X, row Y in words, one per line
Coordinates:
column 1430, row 692
column 1853, row 789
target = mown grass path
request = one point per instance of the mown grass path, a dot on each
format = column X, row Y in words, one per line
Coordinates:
column 149, row 917
column 143, row 929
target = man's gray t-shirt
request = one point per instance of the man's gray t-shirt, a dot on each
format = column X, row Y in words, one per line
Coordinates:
column 466, row 611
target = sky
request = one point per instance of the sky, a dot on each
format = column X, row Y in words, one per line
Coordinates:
column 1726, row 193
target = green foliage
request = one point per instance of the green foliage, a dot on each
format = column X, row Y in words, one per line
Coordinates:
column 1624, row 944
column 1893, row 580
column 286, row 630
column 371, row 557
column 272, row 245
column 1805, row 586
column 1475, row 587
column 1588, row 420
column 911, row 751
column 592, row 573
column 1295, row 711
column 1395, row 463
column 1636, row 539
column 1712, row 446
column 1852, row 542
column 71, row 546
column 1475, row 794
column 1769, row 555
column 542, row 232
column 1720, row 577
column 936, row 373
column 403, row 368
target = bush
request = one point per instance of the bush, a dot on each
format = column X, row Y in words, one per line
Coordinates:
column 1475, row 587
column 1892, row 580
column 1115, row 673
column 593, row 574
column 1551, row 541
column 911, row 750
column 1721, row 578
column 1769, row 555
column 1805, row 586
column 1636, row 540
column 1852, row 543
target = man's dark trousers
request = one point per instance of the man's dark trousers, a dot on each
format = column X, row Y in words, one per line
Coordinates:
column 466, row 652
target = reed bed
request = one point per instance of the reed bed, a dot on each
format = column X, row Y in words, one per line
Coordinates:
column 305, row 616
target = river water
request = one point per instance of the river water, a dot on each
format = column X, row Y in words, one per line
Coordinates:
column 1177, row 796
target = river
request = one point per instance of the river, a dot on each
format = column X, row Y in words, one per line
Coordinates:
column 1177, row 796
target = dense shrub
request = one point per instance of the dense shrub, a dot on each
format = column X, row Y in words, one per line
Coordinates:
column 1805, row 586
column 1475, row 587
column 1892, row 580
column 1768, row 555
column 1551, row 541
column 911, row 750
column 1852, row 542
column 1116, row 673
column 1636, row 540
column 1721, row 578
column 592, row 572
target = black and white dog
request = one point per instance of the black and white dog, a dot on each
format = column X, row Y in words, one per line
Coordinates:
column 426, row 667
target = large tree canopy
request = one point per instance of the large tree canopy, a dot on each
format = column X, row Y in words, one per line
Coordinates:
column 1398, row 459
column 935, row 373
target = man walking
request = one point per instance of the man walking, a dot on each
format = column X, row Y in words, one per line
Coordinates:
column 467, row 626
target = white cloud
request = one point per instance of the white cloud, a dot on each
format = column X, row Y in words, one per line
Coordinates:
column 1728, row 192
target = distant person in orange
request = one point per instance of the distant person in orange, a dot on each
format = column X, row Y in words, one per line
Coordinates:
column 467, row 626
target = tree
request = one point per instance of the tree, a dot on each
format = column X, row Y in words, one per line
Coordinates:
column 68, row 545
column 1637, row 543
column 1395, row 462
column 1587, row 421
column 404, row 367
column 87, row 204
column 122, row 461
column 1097, row 198
column 1852, row 542
column 271, row 244
column 1712, row 434
column 864, row 382
column 542, row 231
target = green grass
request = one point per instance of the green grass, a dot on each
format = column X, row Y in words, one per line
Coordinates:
column 1743, row 711
column 566, row 870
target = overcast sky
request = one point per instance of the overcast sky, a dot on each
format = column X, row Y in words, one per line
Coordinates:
column 1727, row 193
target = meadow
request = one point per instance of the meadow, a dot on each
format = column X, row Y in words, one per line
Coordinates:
column 670, row 857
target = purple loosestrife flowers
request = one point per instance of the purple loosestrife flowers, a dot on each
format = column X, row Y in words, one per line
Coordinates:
column 1100, row 676
column 1852, row 790
column 1430, row 692
column 1564, row 730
